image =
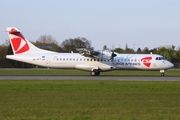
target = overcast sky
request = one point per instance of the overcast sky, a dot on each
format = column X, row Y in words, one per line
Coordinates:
column 114, row 23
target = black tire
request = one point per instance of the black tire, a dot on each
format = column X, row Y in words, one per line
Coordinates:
column 162, row 74
column 92, row 73
column 95, row 73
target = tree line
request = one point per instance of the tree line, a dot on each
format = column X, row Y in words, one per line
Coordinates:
column 49, row 43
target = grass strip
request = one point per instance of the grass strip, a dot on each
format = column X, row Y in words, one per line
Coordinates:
column 89, row 100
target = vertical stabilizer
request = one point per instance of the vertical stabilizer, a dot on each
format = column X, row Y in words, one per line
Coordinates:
column 20, row 45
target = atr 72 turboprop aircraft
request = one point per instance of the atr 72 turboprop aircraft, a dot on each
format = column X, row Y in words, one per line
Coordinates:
column 89, row 60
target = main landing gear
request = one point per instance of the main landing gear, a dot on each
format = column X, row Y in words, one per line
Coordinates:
column 95, row 72
column 162, row 72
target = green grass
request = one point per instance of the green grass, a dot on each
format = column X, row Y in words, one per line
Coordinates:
column 89, row 100
column 79, row 72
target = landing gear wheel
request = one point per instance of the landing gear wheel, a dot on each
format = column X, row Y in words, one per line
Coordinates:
column 162, row 74
column 95, row 73
column 92, row 73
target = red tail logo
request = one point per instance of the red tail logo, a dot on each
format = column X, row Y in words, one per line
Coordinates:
column 19, row 44
column 147, row 61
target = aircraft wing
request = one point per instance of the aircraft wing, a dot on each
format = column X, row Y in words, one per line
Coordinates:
column 88, row 53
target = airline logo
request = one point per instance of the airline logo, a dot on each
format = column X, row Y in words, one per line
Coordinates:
column 147, row 61
column 19, row 43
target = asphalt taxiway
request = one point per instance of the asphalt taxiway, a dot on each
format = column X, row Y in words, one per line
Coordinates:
column 120, row 78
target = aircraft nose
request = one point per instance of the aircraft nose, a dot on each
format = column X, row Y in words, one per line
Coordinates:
column 170, row 65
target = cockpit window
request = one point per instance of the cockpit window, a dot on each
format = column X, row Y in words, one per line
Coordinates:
column 163, row 58
column 160, row 58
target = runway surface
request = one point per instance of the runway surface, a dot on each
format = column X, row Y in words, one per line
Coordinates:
column 120, row 78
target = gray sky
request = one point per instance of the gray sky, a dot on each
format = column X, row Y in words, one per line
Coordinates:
column 139, row 23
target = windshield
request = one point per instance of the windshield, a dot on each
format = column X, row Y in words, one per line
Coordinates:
column 160, row 58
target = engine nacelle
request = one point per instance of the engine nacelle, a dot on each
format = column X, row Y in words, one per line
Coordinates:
column 107, row 54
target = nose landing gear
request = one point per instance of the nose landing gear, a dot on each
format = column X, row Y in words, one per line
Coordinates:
column 162, row 72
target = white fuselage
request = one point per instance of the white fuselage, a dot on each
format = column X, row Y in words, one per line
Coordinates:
column 90, row 60
column 75, row 60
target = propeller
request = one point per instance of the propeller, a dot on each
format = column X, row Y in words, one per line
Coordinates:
column 113, row 55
